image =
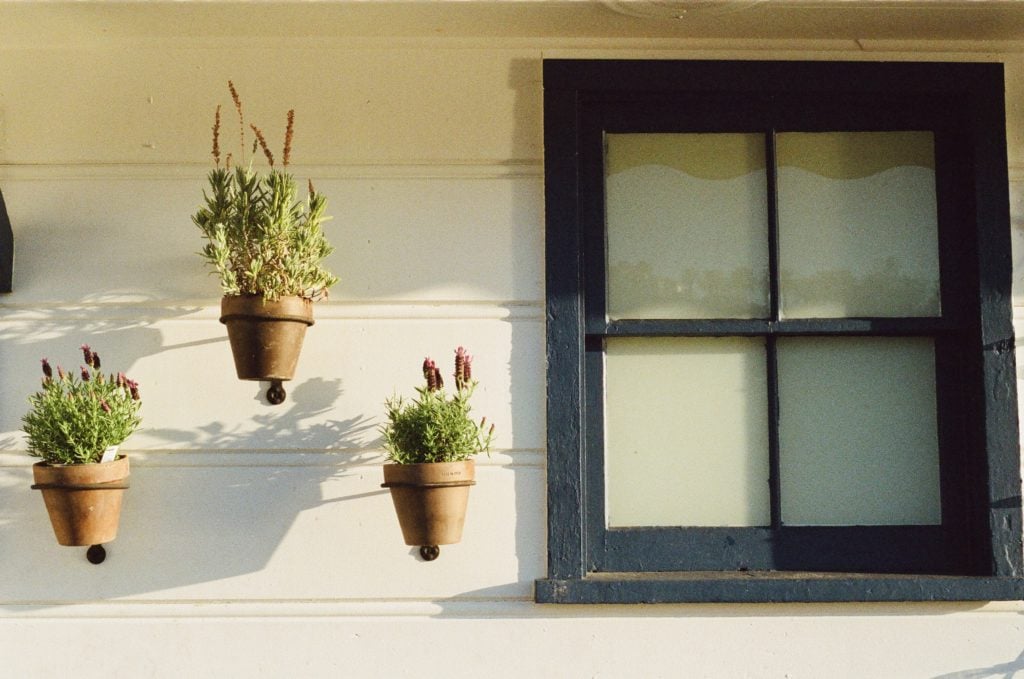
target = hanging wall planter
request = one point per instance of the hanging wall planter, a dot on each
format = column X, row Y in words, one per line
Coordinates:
column 77, row 421
column 429, row 442
column 430, row 500
column 266, row 337
column 267, row 248
column 83, row 500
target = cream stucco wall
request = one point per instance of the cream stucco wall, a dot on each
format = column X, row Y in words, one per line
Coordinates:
column 256, row 540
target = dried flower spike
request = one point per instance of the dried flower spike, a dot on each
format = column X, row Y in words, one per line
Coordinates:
column 263, row 144
column 288, row 138
column 241, row 116
column 216, row 136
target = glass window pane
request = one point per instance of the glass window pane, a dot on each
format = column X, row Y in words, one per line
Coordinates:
column 685, row 432
column 857, row 431
column 687, row 226
column 857, row 224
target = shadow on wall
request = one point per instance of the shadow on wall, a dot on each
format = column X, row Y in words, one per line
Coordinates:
column 193, row 518
column 1007, row 670
column 121, row 342
column 528, row 516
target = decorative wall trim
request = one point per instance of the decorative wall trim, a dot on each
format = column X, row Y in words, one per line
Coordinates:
column 248, row 458
column 474, row 608
column 413, row 169
column 461, row 607
column 405, row 169
column 643, row 45
column 337, row 310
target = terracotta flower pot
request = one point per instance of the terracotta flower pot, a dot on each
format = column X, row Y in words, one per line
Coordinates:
column 266, row 337
column 83, row 500
column 430, row 499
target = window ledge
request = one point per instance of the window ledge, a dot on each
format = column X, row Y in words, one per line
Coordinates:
column 774, row 587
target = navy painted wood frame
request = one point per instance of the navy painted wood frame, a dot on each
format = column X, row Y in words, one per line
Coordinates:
column 6, row 249
column 976, row 553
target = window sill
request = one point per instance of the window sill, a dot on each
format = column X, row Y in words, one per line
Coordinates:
column 774, row 587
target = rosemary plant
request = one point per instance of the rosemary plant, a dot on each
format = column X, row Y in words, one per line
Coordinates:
column 261, row 240
column 75, row 418
column 435, row 427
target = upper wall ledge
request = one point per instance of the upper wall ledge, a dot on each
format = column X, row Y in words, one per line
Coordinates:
column 406, row 169
column 721, row 24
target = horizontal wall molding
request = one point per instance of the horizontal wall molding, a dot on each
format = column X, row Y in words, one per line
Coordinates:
column 334, row 310
column 648, row 46
column 461, row 607
column 475, row 608
column 228, row 458
column 405, row 169
column 424, row 169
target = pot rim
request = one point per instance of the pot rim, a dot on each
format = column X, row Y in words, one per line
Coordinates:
column 78, row 465
column 255, row 307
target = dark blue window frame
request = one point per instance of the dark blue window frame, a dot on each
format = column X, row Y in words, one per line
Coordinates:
column 976, row 553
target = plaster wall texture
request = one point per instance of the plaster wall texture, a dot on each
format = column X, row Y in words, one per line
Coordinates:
column 256, row 540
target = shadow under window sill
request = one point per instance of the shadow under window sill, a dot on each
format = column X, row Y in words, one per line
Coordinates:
column 774, row 587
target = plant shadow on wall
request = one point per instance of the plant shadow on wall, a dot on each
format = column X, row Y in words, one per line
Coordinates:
column 1007, row 670
column 224, row 512
column 196, row 516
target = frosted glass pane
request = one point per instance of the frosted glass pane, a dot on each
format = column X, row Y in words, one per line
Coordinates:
column 857, row 224
column 685, row 432
column 687, row 226
column 857, row 431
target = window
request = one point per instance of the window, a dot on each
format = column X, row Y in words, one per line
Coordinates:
column 780, row 350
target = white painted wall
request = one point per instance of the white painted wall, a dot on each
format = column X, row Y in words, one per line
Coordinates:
column 256, row 540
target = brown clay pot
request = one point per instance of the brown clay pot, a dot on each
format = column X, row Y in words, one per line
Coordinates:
column 266, row 337
column 430, row 499
column 83, row 500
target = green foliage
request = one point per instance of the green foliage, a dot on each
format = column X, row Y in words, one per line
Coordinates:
column 75, row 419
column 434, row 427
column 259, row 239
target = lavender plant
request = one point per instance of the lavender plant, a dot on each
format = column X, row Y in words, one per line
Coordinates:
column 434, row 427
column 75, row 418
column 260, row 239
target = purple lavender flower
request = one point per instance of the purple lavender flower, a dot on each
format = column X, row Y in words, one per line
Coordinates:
column 460, row 368
column 47, row 370
column 104, row 405
column 86, row 354
column 432, row 374
column 85, row 374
